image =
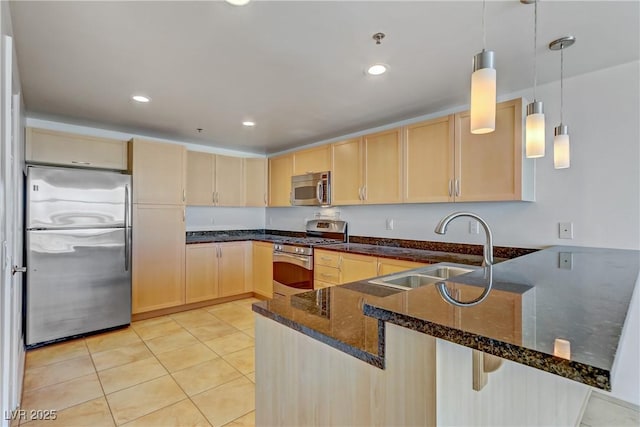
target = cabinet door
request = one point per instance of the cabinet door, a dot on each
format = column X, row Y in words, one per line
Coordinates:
column 158, row 257
column 389, row 266
column 255, row 182
column 263, row 269
column 317, row 159
column 489, row 166
column 280, row 172
column 429, row 159
column 202, row 272
column 382, row 167
column 229, row 172
column 200, row 178
column 61, row 148
column 158, row 172
column 357, row 267
column 347, row 172
column 232, row 270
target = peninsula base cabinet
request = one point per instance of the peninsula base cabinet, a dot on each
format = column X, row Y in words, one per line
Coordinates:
column 328, row 387
column 426, row 381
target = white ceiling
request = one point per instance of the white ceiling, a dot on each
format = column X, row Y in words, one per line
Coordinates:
column 295, row 67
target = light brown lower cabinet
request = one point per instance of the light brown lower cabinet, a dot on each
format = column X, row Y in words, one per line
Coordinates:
column 158, row 257
column 216, row 270
column 262, row 274
column 335, row 268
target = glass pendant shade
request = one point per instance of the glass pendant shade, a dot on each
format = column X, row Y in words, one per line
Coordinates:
column 483, row 93
column 561, row 151
column 535, row 141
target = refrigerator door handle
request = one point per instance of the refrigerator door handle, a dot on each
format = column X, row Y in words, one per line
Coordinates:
column 126, row 228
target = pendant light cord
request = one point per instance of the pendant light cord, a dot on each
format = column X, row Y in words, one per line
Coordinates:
column 535, row 42
column 484, row 30
column 561, row 83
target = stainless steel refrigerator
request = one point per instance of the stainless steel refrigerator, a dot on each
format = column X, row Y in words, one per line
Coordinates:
column 78, row 242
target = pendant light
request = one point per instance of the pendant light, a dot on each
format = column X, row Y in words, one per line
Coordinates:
column 561, row 150
column 483, row 87
column 535, row 137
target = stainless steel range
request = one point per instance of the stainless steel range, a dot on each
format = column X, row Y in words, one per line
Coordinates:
column 293, row 258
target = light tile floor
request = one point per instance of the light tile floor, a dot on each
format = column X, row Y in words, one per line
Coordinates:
column 194, row 368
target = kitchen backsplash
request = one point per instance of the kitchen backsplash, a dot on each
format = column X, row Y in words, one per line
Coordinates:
column 203, row 218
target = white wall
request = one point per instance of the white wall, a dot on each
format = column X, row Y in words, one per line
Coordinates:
column 600, row 193
column 202, row 218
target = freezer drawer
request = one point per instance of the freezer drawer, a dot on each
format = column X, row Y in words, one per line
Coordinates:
column 76, row 198
column 78, row 281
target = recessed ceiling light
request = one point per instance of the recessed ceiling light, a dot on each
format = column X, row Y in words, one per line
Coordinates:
column 248, row 123
column 141, row 98
column 238, row 2
column 377, row 69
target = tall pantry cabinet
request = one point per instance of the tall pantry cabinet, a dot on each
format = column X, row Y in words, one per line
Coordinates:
column 159, row 175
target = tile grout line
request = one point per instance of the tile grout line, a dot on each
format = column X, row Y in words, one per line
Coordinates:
column 104, row 394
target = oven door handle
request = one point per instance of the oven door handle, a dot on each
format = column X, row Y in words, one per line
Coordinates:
column 304, row 262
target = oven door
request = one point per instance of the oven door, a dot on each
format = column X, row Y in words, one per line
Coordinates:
column 292, row 274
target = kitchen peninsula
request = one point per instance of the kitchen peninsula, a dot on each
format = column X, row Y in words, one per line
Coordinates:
column 364, row 354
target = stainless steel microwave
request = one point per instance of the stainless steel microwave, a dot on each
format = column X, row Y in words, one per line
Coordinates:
column 311, row 189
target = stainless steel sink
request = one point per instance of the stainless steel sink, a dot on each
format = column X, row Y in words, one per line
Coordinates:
column 421, row 277
column 447, row 272
column 409, row 281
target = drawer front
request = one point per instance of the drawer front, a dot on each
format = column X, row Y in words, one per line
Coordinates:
column 319, row 284
column 389, row 266
column 328, row 258
column 327, row 274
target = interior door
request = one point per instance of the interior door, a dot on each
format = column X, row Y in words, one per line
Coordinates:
column 11, row 348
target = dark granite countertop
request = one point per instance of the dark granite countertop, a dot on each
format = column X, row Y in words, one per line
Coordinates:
column 533, row 302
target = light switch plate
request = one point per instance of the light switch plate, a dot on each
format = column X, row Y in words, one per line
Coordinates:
column 565, row 230
column 474, row 227
column 390, row 223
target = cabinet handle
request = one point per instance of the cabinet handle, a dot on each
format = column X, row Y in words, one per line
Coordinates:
column 457, row 188
column 213, row 197
column 184, row 195
column 325, row 258
column 450, row 187
column 340, row 262
column 327, row 275
column 184, row 214
column 80, row 163
column 378, row 268
column 291, row 198
column 220, row 249
column 364, row 192
column 265, row 199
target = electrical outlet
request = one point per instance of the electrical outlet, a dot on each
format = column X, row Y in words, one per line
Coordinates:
column 213, row 221
column 390, row 223
column 565, row 260
column 565, row 230
column 474, row 227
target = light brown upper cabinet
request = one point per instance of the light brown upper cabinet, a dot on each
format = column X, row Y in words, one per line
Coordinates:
column 200, row 178
column 280, row 172
column 158, row 171
column 492, row 167
column 61, row 148
column 445, row 162
column 214, row 180
column 429, row 161
column 316, row 159
column 255, row 182
column 382, row 167
column 368, row 169
column 347, row 159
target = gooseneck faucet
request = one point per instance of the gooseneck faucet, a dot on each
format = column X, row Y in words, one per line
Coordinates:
column 441, row 228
